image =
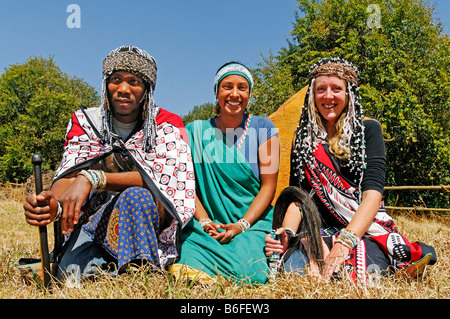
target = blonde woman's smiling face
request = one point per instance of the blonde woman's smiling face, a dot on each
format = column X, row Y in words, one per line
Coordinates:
column 330, row 97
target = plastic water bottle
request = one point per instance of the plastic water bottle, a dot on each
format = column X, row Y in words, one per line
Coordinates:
column 274, row 259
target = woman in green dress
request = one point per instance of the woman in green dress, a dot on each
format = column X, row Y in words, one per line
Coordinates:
column 236, row 159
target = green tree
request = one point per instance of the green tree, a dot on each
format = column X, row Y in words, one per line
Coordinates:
column 36, row 102
column 273, row 86
column 404, row 67
column 199, row 112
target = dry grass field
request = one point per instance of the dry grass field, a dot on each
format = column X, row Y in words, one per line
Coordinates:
column 18, row 239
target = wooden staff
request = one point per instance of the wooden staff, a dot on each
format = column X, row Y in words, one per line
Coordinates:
column 36, row 160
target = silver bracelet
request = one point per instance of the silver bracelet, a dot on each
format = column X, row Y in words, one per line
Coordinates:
column 245, row 225
column 88, row 176
column 96, row 178
column 101, row 177
column 204, row 222
column 290, row 233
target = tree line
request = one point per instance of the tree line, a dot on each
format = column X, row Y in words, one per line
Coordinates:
column 404, row 64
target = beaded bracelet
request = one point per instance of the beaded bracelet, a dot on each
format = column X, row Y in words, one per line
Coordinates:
column 351, row 234
column 204, row 222
column 347, row 244
column 245, row 225
column 88, row 176
column 347, row 238
column 99, row 179
column 102, row 179
column 96, row 178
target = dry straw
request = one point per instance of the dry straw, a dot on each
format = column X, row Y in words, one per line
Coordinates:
column 18, row 239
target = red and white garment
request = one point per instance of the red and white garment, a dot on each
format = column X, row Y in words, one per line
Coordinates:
column 342, row 200
column 167, row 170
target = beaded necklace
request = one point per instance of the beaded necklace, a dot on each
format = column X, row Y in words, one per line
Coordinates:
column 244, row 135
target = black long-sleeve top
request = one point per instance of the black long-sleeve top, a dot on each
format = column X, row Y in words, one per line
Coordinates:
column 374, row 174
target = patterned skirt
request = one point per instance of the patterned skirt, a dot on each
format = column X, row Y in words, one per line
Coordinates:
column 127, row 227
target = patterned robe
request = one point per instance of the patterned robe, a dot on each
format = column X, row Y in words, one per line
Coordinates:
column 167, row 170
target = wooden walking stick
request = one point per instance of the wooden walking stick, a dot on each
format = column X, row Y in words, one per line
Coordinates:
column 36, row 160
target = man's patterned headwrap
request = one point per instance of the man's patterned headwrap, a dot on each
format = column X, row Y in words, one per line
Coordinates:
column 309, row 134
column 134, row 60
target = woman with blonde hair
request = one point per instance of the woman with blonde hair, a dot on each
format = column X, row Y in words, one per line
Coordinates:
column 338, row 157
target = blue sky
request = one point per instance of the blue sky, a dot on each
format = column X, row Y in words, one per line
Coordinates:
column 189, row 39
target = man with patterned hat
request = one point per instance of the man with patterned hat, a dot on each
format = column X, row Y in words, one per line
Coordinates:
column 125, row 186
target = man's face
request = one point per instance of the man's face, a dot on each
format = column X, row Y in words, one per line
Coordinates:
column 125, row 92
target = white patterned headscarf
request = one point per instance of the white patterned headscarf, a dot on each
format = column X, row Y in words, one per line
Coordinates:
column 134, row 60
column 232, row 68
column 309, row 133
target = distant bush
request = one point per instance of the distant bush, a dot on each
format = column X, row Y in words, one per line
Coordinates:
column 199, row 112
column 36, row 102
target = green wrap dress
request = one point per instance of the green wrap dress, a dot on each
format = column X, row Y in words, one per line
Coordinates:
column 226, row 186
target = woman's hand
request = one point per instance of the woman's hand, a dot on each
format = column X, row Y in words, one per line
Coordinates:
column 230, row 231
column 211, row 229
column 359, row 224
column 335, row 259
column 276, row 246
column 224, row 237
